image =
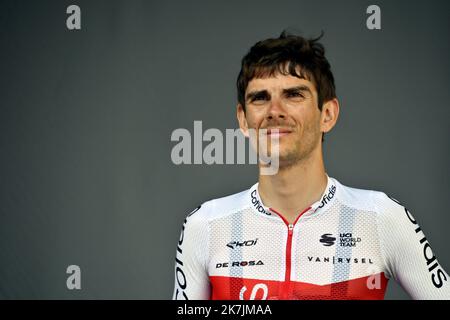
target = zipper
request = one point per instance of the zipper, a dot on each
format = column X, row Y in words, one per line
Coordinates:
column 287, row 278
column 290, row 229
column 286, row 288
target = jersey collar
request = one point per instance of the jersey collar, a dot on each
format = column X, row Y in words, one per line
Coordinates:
column 323, row 203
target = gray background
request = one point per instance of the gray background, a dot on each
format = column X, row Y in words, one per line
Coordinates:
column 86, row 117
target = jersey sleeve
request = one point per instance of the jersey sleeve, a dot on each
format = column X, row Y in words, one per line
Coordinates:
column 407, row 252
column 191, row 276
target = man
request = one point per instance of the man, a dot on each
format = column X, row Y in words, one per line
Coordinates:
column 300, row 234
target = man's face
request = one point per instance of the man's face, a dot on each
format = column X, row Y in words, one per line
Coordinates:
column 289, row 104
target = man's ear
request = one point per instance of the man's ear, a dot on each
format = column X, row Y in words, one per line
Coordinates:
column 329, row 115
column 240, row 114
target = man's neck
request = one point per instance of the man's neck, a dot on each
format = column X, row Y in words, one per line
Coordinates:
column 294, row 188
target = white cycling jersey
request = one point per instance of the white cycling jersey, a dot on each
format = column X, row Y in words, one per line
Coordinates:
column 345, row 246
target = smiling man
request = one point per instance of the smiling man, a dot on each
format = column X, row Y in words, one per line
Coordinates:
column 300, row 234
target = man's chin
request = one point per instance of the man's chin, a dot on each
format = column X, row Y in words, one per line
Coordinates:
column 286, row 158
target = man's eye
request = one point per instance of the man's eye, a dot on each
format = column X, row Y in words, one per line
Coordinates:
column 295, row 94
column 259, row 98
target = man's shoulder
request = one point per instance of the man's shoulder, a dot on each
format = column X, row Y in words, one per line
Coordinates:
column 221, row 207
column 368, row 199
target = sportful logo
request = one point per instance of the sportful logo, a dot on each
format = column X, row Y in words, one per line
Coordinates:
column 327, row 239
column 257, row 204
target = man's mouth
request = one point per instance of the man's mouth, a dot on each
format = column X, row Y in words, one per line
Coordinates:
column 278, row 132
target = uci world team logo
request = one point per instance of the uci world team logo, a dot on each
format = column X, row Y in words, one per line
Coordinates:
column 345, row 240
column 327, row 239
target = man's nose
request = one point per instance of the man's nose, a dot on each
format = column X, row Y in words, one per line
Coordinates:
column 276, row 109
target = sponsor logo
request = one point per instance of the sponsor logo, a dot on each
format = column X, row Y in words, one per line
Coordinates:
column 235, row 244
column 179, row 273
column 327, row 239
column 345, row 240
column 340, row 260
column 239, row 264
column 437, row 274
column 257, row 204
column 327, row 197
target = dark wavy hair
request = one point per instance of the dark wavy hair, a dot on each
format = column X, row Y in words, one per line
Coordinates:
column 283, row 55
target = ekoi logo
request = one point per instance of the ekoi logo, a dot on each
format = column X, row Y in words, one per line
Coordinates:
column 235, row 244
